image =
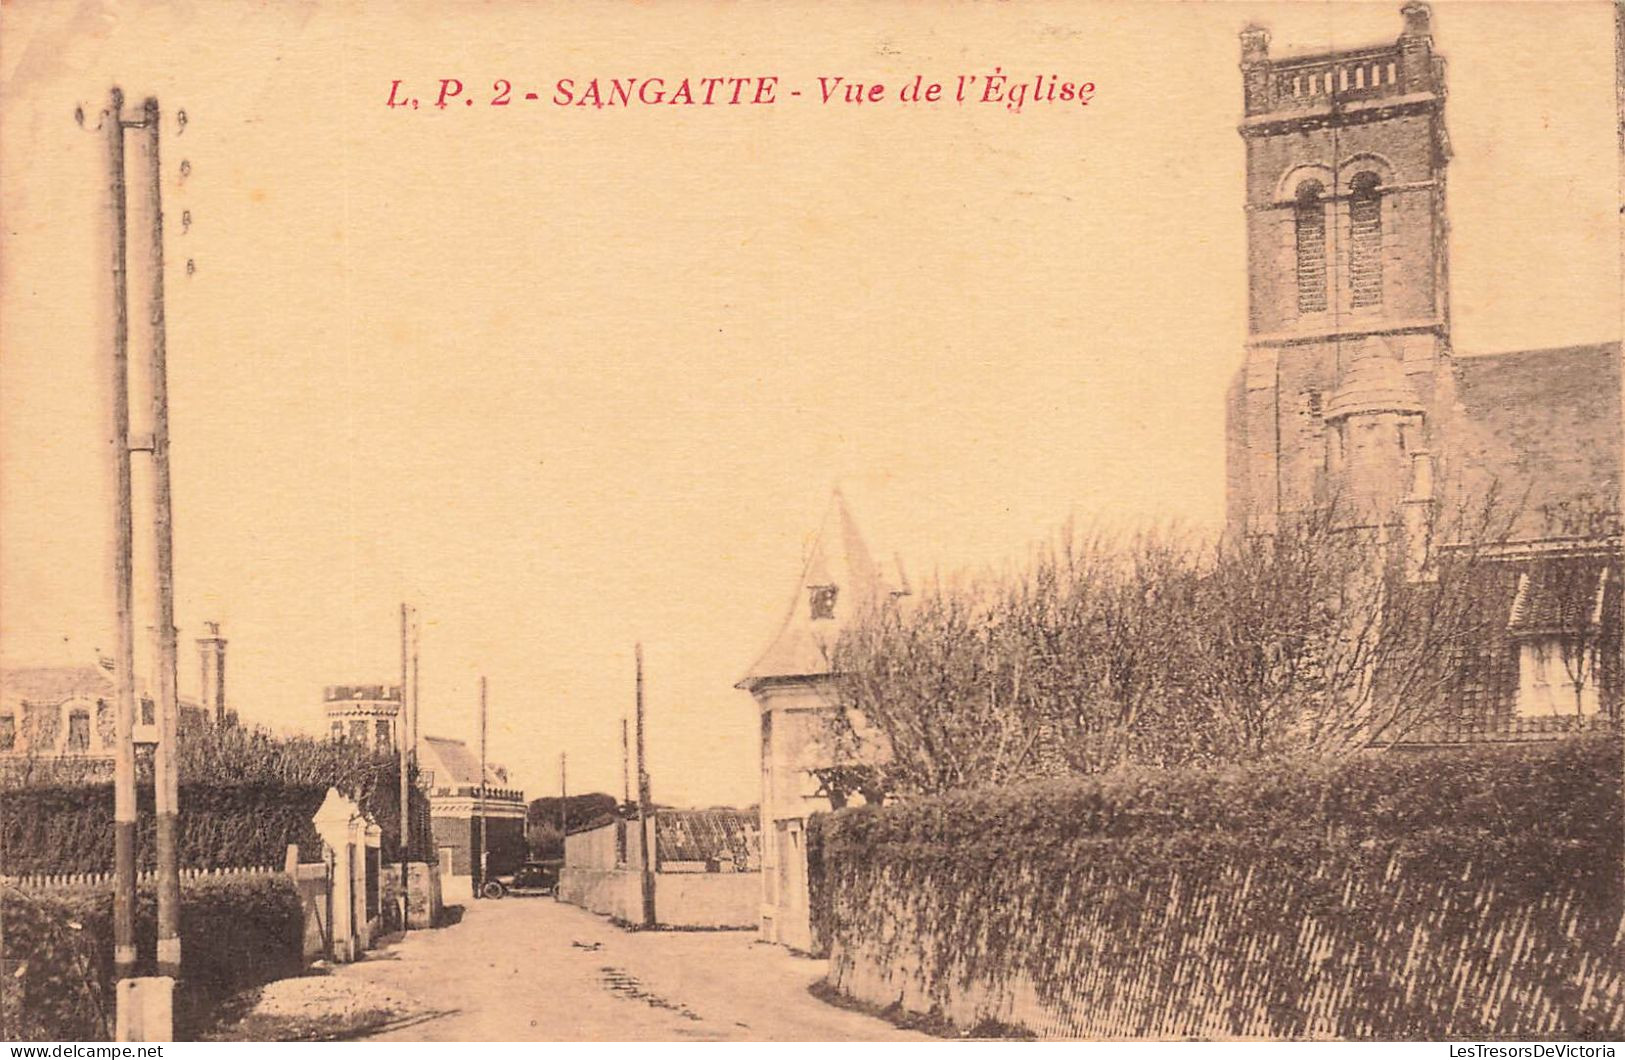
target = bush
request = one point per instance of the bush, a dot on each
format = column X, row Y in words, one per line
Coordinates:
column 232, row 815
column 56, row 983
column 70, row 829
column 1406, row 867
column 236, row 932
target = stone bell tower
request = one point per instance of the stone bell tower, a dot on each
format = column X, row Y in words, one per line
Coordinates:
column 1348, row 310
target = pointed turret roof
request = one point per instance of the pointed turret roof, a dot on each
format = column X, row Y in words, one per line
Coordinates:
column 839, row 578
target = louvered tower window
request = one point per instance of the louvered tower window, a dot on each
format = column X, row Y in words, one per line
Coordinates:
column 1310, row 223
column 1365, row 242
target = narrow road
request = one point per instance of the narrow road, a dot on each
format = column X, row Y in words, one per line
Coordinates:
column 532, row 969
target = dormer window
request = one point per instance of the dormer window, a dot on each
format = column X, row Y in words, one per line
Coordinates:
column 821, row 601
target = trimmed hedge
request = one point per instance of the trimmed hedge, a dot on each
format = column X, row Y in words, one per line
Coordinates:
column 1346, row 899
column 70, row 829
column 236, row 932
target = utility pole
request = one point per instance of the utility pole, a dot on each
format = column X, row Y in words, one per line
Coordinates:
column 124, row 808
column 644, row 807
column 564, row 798
column 417, row 630
column 165, row 779
column 402, row 719
column 140, row 423
column 482, row 786
column 626, row 768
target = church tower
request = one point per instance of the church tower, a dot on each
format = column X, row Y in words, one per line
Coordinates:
column 1348, row 311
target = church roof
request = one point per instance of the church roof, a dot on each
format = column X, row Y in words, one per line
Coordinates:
column 1540, row 433
column 838, row 560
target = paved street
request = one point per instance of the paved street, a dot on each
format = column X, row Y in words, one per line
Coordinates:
column 532, row 968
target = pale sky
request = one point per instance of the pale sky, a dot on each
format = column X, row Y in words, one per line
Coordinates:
column 570, row 378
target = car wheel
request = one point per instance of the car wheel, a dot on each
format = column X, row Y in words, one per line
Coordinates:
column 493, row 890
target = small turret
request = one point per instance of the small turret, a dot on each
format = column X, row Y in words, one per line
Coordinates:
column 1418, row 19
column 1377, row 421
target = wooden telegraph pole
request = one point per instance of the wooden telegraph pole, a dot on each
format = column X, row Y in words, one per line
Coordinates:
column 402, row 724
column 124, row 810
column 482, row 788
column 165, row 778
column 417, row 631
column 564, row 797
column 144, row 1006
column 644, row 809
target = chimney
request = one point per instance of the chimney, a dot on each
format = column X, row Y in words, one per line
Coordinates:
column 212, row 686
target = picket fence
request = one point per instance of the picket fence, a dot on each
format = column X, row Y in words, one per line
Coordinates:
column 61, row 880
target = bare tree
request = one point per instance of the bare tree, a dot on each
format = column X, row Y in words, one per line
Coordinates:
column 1154, row 649
column 1330, row 638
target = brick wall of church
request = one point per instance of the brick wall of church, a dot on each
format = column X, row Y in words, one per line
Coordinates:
column 1276, row 444
column 1406, row 145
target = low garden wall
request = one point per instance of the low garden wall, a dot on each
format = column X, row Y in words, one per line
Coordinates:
column 424, row 901
column 682, row 899
column 614, row 893
column 1457, row 894
column 708, row 899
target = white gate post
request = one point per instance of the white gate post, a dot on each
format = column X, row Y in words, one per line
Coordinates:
column 336, row 823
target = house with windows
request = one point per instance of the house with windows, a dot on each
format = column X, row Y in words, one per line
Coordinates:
column 465, row 823
column 792, row 683
column 363, row 714
column 1352, row 394
column 61, row 719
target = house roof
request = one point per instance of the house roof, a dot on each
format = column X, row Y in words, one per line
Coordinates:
column 838, row 560
column 51, row 685
column 454, row 763
column 54, row 684
column 451, row 760
column 1539, row 433
column 705, row 835
column 1570, row 597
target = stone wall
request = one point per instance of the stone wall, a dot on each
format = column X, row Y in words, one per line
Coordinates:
column 423, row 894
column 608, row 892
column 682, row 899
column 708, row 899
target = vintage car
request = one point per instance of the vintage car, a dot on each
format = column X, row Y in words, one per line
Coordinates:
column 531, row 878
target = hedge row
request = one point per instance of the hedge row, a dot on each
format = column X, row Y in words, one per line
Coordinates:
column 1297, row 886
column 236, row 932
column 70, row 829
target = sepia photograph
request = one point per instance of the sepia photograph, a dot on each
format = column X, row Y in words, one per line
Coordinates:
column 771, row 521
